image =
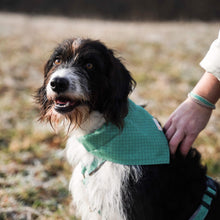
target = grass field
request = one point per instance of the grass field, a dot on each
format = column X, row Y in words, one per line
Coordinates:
column 162, row 57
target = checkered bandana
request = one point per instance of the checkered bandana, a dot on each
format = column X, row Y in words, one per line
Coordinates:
column 141, row 142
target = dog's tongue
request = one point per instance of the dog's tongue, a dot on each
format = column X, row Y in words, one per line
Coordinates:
column 61, row 102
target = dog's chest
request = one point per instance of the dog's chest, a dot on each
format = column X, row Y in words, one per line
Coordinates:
column 96, row 194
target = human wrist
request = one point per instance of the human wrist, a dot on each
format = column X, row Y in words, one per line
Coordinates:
column 208, row 87
column 201, row 101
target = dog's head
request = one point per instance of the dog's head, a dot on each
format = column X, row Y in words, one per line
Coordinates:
column 82, row 76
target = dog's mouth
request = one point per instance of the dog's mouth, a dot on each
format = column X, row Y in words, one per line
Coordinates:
column 65, row 105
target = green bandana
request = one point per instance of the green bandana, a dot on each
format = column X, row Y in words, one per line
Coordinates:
column 141, row 142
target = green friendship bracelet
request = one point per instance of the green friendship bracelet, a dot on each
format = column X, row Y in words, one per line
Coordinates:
column 200, row 100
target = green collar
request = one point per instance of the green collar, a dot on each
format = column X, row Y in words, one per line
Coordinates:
column 141, row 142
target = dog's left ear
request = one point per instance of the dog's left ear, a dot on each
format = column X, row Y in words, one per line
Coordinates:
column 121, row 84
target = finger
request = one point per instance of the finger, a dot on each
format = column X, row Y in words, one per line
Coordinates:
column 170, row 132
column 167, row 125
column 187, row 144
column 176, row 139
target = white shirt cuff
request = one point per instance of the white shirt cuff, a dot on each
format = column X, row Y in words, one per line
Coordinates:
column 211, row 61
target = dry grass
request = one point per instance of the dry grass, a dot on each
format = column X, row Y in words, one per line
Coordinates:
column 163, row 58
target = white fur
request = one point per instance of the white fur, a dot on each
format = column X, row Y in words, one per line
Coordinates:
column 96, row 197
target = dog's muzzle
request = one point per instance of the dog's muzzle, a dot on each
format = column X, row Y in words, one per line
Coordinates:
column 66, row 90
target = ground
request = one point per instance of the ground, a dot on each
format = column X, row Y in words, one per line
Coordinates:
column 162, row 57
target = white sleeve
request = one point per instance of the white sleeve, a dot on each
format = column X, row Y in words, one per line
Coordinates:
column 211, row 61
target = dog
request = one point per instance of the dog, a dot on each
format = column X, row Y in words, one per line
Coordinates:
column 86, row 89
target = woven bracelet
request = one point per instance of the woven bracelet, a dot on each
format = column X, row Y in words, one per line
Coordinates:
column 201, row 101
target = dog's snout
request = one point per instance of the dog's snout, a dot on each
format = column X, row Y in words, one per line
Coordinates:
column 59, row 84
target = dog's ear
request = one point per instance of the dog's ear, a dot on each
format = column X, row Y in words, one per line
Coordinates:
column 120, row 84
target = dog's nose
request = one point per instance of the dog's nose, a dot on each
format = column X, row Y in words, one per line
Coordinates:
column 59, row 84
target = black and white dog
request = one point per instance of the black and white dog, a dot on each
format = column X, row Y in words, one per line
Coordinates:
column 86, row 86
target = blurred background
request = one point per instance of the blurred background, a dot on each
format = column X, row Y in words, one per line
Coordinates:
column 161, row 43
column 206, row 10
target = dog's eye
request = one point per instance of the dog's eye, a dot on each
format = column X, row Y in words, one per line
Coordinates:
column 57, row 61
column 89, row 66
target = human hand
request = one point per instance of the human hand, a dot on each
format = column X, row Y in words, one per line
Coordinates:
column 184, row 125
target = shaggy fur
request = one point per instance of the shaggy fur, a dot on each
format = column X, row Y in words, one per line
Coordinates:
column 85, row 86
